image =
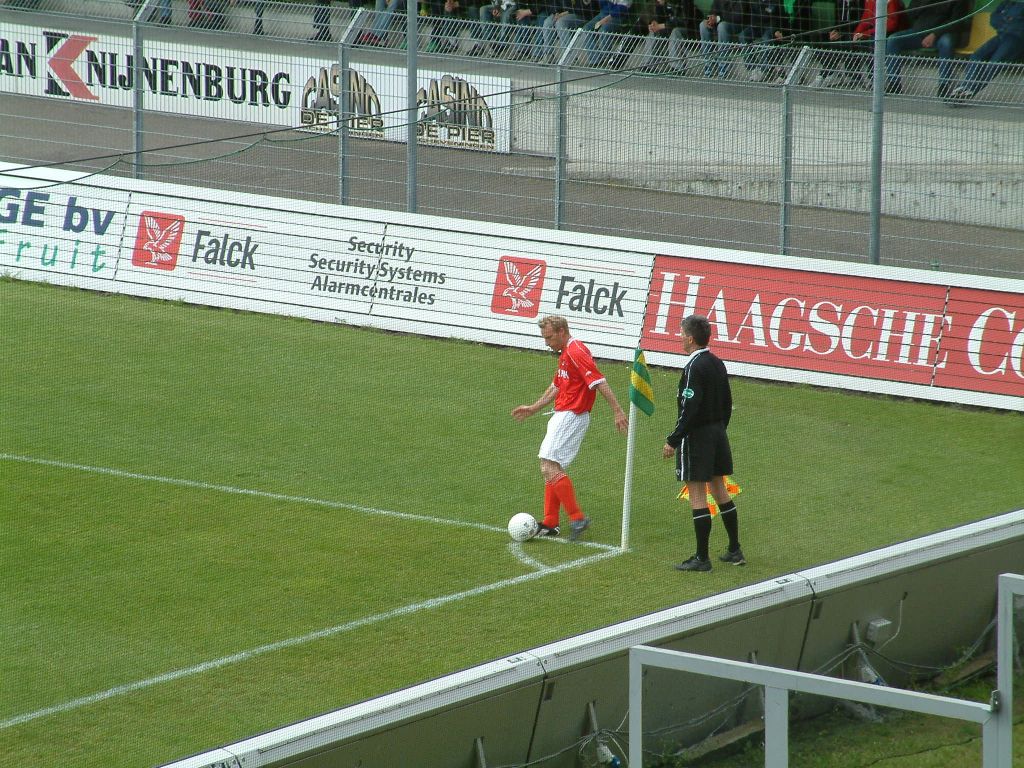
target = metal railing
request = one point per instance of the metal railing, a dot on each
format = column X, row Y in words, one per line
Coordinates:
column 995, row 717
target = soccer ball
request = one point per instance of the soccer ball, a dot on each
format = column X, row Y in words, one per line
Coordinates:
column 522, row 526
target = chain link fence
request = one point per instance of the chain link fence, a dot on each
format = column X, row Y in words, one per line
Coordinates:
column 764, row 146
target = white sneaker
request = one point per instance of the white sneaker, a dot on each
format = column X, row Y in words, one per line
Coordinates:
column 818, row 82
column 960, row 95
column 835, row 80
column 757, row 76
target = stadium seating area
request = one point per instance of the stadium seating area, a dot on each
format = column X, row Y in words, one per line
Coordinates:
column 462, row 33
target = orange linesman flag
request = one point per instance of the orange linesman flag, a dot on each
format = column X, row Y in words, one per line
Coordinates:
column 730, row 485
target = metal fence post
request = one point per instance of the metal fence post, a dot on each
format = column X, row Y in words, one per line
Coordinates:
column 344, row 102
column 786, row 180
column 411, row 44
column 345, row 110
column 776, row 727
column 562, row 137
column 563, row 121
column 561, row 140
column 636, row 696
column 1010, row 586
column 138, row 143
column 877, row 122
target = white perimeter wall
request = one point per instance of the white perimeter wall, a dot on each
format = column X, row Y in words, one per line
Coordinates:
column 932, row 335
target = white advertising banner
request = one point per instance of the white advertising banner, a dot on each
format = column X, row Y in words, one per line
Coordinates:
column 56, row 235
column 454, row 109
column 955, row 338
column 339, row 264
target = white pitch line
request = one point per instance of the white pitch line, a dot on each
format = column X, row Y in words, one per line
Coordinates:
column 320, row 634
column 542, row 570
column 516, row 548
column 270, row 495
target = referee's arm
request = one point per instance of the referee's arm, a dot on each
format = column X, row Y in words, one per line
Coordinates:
column 727, row 404
column 688, row 408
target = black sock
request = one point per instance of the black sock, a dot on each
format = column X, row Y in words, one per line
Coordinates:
column 731, row 521
column 702, row 529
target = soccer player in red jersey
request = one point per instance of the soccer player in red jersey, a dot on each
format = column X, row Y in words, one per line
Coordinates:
column 573, row 391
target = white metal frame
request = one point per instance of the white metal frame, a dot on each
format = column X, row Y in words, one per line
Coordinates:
column 995, row 718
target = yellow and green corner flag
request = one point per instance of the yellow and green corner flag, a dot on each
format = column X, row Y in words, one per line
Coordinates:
column 640, row 393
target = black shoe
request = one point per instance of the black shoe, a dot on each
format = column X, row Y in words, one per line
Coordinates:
column 694, row 564
column 543, row 531
column 735, row 557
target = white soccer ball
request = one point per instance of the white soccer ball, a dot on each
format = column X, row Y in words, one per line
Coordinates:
column 522, row 526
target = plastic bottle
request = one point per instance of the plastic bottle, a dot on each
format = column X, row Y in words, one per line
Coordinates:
column 605, row 756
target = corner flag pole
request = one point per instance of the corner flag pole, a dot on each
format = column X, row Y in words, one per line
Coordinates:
column 627, row 492
column 641, row 397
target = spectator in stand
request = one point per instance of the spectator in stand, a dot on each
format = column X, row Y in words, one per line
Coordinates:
column 767, row 24
column 322, row 22
column 207, row 14
column 610, row 17
column 837, row 66
column 849, row 66
column 557, row 28
column 162, row 12
column 666, row 28
column 725, row 21
column 1006, row 47
column 934, row 24
column 446, row 33
column 259, row 7
column 218, row 10
column 864, row 33
column 526, row 39
column 802, row 30
column 383, row 11
column 497, row 12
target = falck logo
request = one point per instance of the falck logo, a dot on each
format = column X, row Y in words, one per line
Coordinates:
column 157, row 240
column 517, row 286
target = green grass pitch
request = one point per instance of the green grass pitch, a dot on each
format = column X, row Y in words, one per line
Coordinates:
column 216, row 523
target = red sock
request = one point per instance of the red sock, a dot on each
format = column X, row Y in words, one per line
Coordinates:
column 551, row 505
column 567, row 495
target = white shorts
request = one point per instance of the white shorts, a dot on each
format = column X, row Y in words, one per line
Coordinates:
column 564, row 437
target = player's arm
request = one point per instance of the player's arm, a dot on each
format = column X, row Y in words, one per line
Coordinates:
column 621, row 422
column 521, row 412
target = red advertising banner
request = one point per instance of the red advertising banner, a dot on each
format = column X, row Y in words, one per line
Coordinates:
column 892, row 330
column 985, row 353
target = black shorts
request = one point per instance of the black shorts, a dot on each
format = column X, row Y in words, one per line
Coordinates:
column 705, row 453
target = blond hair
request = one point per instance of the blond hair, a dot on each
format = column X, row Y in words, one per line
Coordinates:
column 556, row 323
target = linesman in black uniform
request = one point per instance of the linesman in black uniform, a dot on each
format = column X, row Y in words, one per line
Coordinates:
column 700, row 444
